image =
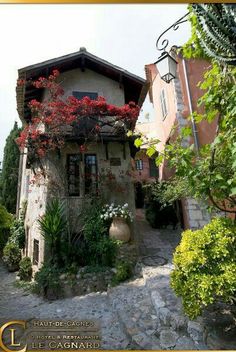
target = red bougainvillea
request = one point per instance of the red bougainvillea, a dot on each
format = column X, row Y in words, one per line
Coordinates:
column 54, row 115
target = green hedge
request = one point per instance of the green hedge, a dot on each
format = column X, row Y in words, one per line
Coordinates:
column 205, row 266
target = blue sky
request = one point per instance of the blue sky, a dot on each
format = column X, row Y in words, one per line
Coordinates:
column 125, row 35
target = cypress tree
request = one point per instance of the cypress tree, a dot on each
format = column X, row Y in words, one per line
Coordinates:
column 9, row 175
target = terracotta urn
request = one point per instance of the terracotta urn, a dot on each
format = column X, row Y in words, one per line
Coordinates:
column 119, row 230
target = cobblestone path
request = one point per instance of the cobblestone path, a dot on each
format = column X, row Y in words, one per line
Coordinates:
column 143, row 313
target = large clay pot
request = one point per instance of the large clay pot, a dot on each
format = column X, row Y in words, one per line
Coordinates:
column 119, row 229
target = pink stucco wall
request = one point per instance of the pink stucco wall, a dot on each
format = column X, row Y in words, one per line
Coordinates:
column 195, row 72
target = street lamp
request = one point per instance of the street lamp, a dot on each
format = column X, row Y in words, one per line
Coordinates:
column 167, row 67
column 166, row 64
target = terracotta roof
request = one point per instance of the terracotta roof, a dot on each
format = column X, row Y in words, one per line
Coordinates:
column 135, row 87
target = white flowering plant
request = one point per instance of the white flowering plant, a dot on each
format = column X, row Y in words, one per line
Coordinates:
column 112, row 210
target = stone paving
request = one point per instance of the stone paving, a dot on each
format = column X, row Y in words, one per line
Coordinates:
column 142, row 313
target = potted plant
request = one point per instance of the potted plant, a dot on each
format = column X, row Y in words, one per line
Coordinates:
column 120, row 215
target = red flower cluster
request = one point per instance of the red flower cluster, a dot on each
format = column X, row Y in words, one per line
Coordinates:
column 20, row 82
column 56, row 113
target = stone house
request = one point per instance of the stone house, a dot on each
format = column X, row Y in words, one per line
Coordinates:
column 173, row 103
column 78, row 175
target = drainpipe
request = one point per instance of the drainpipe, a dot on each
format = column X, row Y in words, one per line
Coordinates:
column 194, row 127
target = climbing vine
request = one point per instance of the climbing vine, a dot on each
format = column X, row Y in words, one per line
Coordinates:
column 213, row 32
column 210, row 172
column 57, row 116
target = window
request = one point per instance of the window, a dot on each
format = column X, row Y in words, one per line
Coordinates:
column 80, row 95
column 90, row 173
column 79, row 181
column 73, row 174
column 163, row 104
column 86, row 125
column 139, row 164
column 36, row 252
column 153, row 169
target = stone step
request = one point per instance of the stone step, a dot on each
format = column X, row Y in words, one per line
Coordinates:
column 135, row 311
column 157, row 281
column 174, row 327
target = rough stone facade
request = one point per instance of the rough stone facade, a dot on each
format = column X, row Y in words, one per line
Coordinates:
column 197, row 214
column 120, row 190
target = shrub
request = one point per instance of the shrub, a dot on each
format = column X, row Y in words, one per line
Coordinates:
column 103, row 252
column 25, row 271
column 12, row 256
column 47, row 281
column 205, row 266
column 17, row 233
column 5, row 224
column 123, row 272
column 99, row 248
column 53, row 228
column 159, row 216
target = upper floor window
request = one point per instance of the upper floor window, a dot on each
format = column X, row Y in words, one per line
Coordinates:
column 90, row 173
column 139, row 164
column 163, row 104
column 73, row 174
column 81, row 174
column 80, row 95
column 153, row 169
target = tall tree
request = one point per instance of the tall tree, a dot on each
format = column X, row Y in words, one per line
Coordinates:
column 9, row 176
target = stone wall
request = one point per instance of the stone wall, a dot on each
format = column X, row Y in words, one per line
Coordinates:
column 37, row 194
column 197, row 214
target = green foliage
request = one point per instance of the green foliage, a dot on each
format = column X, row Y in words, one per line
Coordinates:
column 205, row 266
column 9, row 177
column 167, row 192
column 160, row 216
column 27, row 286
column 160, row 211
column 210, row 172
column 17, row 233
column 99, row 249
column 25, row 270
column 124, row 271
column 53, row 225
column 47, row 281
column 72, row 269
column 5, row 224
column 213, row 32
column 103, row 252
column 12, row 256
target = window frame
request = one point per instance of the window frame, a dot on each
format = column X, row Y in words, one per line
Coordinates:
column 139, row 164
column 73, row 194
column 85, row 94
column 83, row 190
column 152, row 163
column 96, row 166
